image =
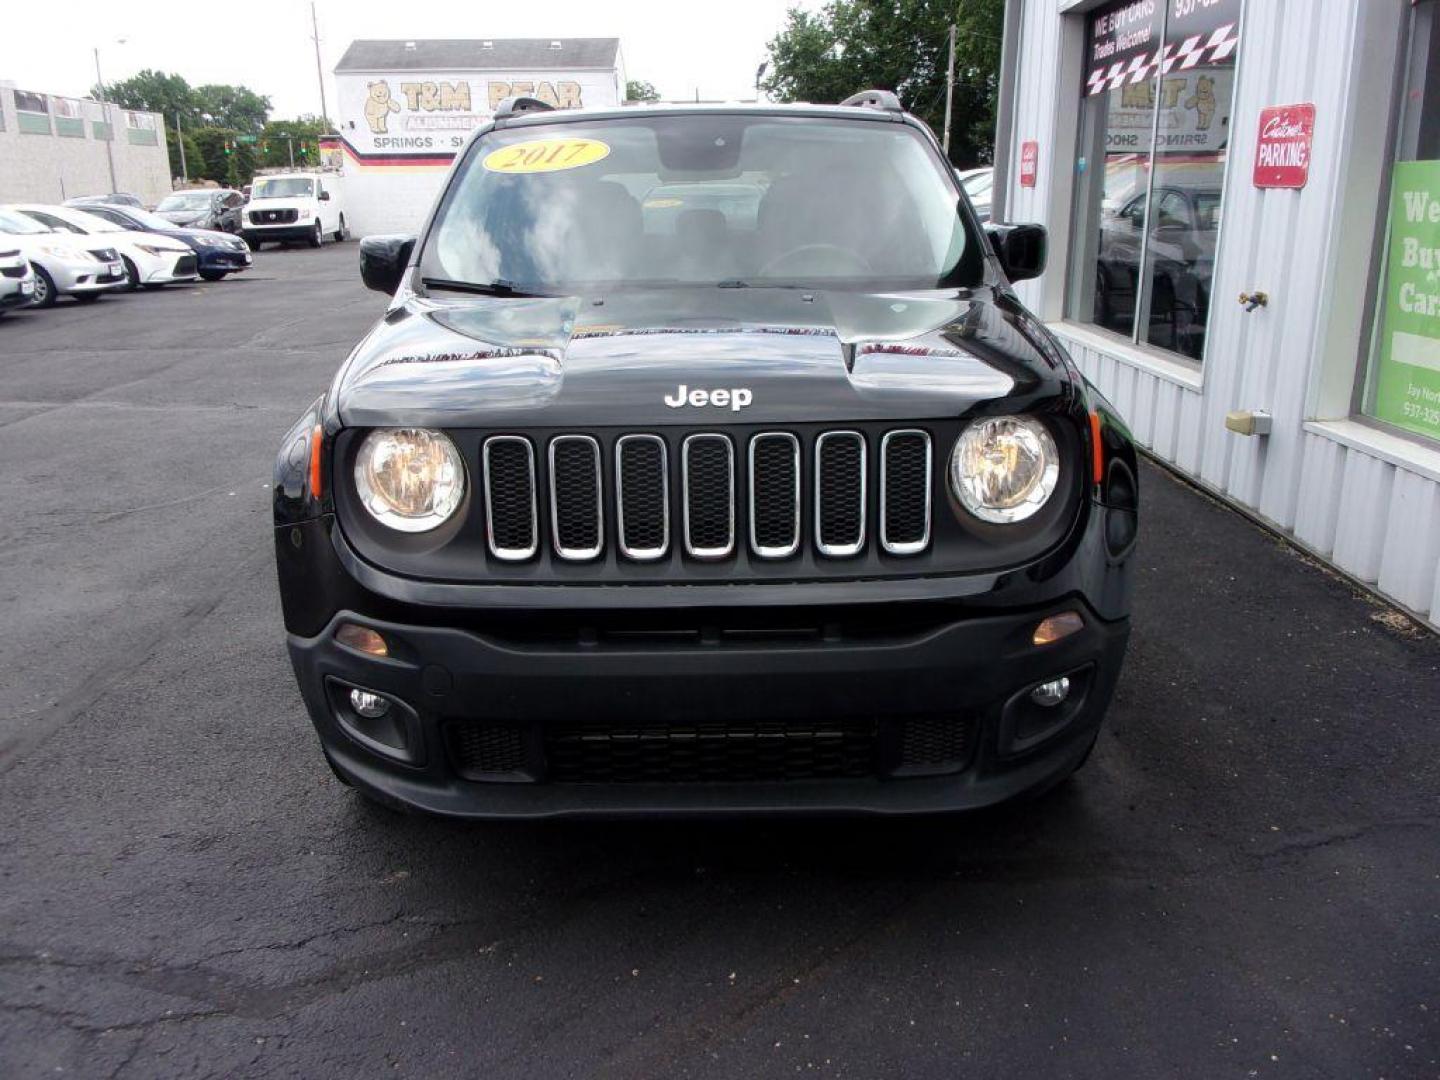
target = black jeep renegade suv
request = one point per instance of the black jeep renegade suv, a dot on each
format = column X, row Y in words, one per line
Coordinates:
column 705, row 462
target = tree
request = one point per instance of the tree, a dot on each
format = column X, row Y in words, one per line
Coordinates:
column 636, row 90
column 227, row 160
column 898, row 45
column 194, row 166
column 154, row 91
column 302, row 135
column 234, row 107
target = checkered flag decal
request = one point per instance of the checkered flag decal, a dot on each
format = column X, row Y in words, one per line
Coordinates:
column 1218, row 47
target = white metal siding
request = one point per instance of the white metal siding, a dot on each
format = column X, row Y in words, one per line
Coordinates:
column 1369, row 513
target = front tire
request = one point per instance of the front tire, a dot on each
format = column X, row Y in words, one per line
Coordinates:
column 44, row 288
column 253, row 241
column 340, row 232
column 87, row 297
column 317, row 237
column 132, row 275
column 212, row 275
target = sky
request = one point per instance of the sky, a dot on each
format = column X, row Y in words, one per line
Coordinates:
column 681, row 47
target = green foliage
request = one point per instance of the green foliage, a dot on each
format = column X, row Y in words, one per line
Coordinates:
column 637, row 90
column 194, row 159
column 899, row 45
column 227, row 161
column 234, row 107
column 277, row 135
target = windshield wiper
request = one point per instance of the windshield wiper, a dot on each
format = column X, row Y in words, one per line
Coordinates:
column 499, row 287
column 740, row 283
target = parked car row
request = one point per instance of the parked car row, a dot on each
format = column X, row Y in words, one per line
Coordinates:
column 51, row 251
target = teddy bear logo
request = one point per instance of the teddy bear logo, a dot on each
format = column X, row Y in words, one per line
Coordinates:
column 378, row 107
column 1203, row 102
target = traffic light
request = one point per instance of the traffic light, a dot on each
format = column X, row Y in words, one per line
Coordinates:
column 227, row 146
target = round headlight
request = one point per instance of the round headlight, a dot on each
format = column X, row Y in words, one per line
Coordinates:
column 409, row 478
column 1004, row 468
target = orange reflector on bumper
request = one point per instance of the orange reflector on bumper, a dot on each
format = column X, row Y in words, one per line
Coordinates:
column 362, row 639
column 1057, row 627
column 1097, row 448
column 317, row 437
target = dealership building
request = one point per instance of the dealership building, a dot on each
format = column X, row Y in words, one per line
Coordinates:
column 53, row 148
column 406, row 107
column 1243, row 201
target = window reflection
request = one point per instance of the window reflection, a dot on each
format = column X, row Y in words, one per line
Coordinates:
column 1156, row 120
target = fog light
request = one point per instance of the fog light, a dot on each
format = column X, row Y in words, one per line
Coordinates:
column 1047, row 695
column 373, row 706
column 1055, row 627
column 362, row 639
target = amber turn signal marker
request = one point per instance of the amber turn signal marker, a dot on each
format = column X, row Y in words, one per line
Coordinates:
column 362, row 639
column 1097, row 448
column 1056, row 627
column 316, row 438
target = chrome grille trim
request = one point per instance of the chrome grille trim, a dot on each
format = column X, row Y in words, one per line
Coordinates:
column 773, row 552
column 838, row 550
column 642, row 554
column 510, row 554
column 905, row 547
column 710, row 552
column 577, row 554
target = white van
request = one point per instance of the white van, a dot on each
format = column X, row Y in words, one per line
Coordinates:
column 295, row 206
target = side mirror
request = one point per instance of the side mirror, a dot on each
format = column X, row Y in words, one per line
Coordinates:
column 383, row 260
column 324, row 196
column 1020, row 249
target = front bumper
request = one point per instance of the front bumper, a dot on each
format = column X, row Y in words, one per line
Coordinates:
column 933, row 675
column 16, row 292
column 172, row 268
column 299, row 231
column 224, row 260
column 87, row 277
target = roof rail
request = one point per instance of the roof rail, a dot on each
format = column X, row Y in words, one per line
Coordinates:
column 875, row 99
column 518, row 103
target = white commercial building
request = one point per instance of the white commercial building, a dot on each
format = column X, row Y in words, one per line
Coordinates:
column 54, row 148
column 1243, row 200
column 405, row 108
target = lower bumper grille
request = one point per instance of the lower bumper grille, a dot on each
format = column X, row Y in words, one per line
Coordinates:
column 184, row 265
column 716, row 751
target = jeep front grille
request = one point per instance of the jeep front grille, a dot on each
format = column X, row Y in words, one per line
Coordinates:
column 642, row 497
column 777, row 490
column 840, row 493
column 904, row 491
column 511, row 524
column 708, row 483
column 576, row 516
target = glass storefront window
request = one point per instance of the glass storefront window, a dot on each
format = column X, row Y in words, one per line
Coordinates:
column 1402, row 384
column 1155, row 127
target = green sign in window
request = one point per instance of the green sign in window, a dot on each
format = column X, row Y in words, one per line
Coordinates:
column 1407, row 384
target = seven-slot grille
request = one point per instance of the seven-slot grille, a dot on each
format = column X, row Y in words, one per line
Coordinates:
column 768, row 470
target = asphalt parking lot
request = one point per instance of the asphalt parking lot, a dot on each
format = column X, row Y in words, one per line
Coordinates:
column 1244, row 881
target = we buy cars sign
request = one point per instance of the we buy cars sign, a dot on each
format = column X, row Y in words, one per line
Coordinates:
column 1282, row 154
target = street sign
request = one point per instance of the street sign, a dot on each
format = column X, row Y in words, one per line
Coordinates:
column 1282, row 152
column 1029, row 162
column 246, row 138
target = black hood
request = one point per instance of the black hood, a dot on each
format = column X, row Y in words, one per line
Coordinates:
column 614, row 360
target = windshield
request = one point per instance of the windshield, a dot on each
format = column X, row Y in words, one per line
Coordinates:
column 146, row 220
column 20, row 224
column 186, row 200
column 702, row 200
column 283, row 187
column 91, row 223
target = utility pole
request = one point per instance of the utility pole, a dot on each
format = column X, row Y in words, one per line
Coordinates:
column 109, row 121
column 949, row 90
column 180, row 142
column 760, row 74
column 319, row 72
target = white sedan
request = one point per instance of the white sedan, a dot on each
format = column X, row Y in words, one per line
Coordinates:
column 149, row 259
column 65, row 264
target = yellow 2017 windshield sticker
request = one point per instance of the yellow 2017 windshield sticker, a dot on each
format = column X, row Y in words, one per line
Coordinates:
column 546, row 155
